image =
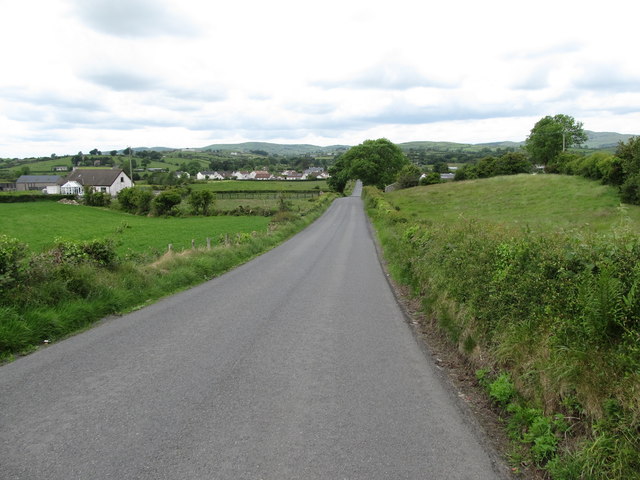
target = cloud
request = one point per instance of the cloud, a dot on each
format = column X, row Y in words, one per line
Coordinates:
column 134, row 18
column 608, row 78
column 121, row 81
column 404, row 113
column 537, row 52
column 49, row 98
column 535, row 80
column 387, row 76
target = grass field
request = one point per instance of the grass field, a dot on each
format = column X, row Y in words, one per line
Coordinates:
column 539, row 202
column 39, row 223
column 246, row 185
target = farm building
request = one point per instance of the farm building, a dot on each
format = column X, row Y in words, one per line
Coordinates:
column 106, row 180
column 37, row 182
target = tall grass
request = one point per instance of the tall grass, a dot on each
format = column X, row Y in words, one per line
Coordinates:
column 557, row 309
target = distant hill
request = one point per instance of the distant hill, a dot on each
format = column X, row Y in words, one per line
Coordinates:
column 276, row 148
column 596, row 140
column 605, row 139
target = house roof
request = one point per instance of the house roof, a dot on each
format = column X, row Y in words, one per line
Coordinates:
column 38, row 179
column 95, row 176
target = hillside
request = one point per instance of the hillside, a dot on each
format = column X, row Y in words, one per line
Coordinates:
column 536, row 202
column 276, row 148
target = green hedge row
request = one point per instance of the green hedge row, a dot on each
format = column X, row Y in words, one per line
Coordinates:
column 559, row 313
column 34, row 197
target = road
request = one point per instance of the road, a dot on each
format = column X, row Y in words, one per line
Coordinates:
column 296, row 365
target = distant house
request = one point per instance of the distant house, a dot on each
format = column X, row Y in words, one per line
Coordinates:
column 262, row 175
column 36, row 182
column 294, row 176
column 241, row 175
column 60, row 168
column 447, row 176
column 207, row 175
column 103, row 180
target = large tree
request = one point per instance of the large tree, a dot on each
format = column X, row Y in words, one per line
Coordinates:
column 552, row 135
column 375, row 162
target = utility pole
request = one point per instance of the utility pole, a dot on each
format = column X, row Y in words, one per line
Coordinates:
column 131, row 168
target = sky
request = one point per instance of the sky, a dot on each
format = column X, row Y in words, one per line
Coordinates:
column 107, row 74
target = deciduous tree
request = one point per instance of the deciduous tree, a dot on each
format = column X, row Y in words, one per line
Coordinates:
column 375, row 162
column 552, row 135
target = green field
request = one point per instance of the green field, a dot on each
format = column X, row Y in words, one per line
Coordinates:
column 248, row 185
column 39, row 223
column 539, row 202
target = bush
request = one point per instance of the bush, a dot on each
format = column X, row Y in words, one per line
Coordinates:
column 166, row 202
column 12, row 252
column 96, row 199
column 201, row 201
column 135, row 200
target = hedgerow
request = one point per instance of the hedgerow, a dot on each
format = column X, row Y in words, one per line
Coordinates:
column 559, row 313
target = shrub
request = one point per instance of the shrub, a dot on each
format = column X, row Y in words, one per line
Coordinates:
column 12, row 252
column 166, row 202
column 135, row 200
column 201, row 201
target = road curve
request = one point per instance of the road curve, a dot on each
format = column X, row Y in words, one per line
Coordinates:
column 296, row 365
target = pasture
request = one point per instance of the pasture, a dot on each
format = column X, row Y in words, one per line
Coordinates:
column 38, row 224
column 543, row 203
column 261, row 185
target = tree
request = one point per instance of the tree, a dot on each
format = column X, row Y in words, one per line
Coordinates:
column 201, row 201
column 552, row 135
column 95, row 151
column 166, row 202
column 409, row 176
column 113, row 153
column 431, row 179
column 375, row 162
column 135, row 200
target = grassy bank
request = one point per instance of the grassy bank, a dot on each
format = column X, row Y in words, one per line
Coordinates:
column 64, row 289
column 535, row 280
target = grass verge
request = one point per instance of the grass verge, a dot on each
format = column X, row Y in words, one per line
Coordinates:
column 50, row 295
column 549, row 316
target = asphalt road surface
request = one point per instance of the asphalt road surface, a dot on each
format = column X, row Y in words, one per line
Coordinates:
column 297, row 365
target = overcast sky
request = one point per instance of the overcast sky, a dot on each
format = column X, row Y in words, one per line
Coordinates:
column 106, row 74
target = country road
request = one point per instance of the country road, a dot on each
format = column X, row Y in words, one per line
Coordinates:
column 296, row 365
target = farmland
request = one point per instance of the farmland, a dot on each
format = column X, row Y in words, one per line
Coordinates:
column 39, row 223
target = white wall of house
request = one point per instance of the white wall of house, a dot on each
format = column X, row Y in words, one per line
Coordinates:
column 122, row 182
column 51, row 189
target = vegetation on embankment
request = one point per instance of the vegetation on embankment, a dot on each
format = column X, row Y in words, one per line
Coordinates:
column 550, row 317
column 52, row 294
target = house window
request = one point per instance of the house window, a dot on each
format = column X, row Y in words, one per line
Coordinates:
column 121, row 179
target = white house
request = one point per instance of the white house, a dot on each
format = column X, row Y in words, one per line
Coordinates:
column 261, row 175
column 241, row 175
column 206, row 175
column 105, row 180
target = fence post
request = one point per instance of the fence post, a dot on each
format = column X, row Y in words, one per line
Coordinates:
column 193, row 244
column 170, row 247
column 208, row 243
